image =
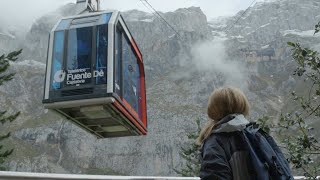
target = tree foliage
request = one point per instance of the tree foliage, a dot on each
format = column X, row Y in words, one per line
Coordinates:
column 190, row 154
column 303, row 147
column 4, row 116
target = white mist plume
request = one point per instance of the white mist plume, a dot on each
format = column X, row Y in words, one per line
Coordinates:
column 211, row 56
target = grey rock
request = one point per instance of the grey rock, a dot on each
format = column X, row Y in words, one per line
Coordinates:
column 252, row 55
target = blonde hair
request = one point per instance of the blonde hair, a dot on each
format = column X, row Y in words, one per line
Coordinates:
column 222, row 102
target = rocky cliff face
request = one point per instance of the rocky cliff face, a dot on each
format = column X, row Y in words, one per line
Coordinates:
column 181, row 71
column 36, row 40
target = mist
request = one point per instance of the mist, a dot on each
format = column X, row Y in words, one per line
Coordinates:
column 18, row 13
column 211, row 56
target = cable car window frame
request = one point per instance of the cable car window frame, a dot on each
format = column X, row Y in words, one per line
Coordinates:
column 124, row 38
column 104, row 27
column 91, row 48
column 118, row 61
column 53, row 72
column 66, row 25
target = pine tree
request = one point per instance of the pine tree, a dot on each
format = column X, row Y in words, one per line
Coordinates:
column 190, row 154
column 4, row 117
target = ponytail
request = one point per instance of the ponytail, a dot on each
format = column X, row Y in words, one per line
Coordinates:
column 205, row 132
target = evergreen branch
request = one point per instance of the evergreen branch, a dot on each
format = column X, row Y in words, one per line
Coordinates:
column 6, row 78
column 4, row 66
column 10, row 118
column 2, row 137
column 6, row 153
column 13, row 56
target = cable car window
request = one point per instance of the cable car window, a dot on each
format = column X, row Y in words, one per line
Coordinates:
column 138, row 89
column 57, row 75
column 130, row 81
column 118, row 52
column 102, row 53
column 79, row 56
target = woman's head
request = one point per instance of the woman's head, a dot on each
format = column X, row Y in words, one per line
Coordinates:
column 222, row 102
column 225, row 101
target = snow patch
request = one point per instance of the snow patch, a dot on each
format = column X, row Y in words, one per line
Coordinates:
column 264, row 25
column 171, row 36
column 237, row 37
column 219, row 22
column 32, row 63
column 250, row 32
column 8, row 35
column 274, row 18
column 217, row 26
column 308, row 33
column 219, row 34
column 147, row 20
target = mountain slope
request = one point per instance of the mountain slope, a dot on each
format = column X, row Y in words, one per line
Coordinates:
column 181, row 73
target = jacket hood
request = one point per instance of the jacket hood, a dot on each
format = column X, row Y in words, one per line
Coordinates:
column 231, row 123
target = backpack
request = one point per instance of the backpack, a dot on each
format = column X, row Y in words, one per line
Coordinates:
column 267, row 160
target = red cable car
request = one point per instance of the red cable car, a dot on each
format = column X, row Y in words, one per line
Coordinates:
column 95, row 75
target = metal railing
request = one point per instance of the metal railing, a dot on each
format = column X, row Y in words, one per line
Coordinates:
column 10, row 175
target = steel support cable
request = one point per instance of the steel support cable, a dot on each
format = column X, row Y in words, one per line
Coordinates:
column 161, row 17
column 227, row 30
column 150, row 10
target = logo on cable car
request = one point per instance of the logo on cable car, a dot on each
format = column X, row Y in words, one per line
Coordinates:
column 59, row 76
column 76, row 76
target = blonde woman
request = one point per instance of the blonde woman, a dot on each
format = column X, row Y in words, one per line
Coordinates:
column 224, row 153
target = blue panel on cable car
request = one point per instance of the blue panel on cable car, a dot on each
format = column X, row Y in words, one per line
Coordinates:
column 57, row 59
column 106, row 18
column 64, row 24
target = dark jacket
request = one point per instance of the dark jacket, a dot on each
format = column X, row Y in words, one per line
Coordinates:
column 223, row 153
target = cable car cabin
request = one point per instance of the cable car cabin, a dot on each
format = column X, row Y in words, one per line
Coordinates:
column 95, row 75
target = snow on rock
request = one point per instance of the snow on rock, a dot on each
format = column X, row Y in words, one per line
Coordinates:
column 308, row 33
column 264, row 25
column 8, row 35
column 31, row 63
column 147, row 20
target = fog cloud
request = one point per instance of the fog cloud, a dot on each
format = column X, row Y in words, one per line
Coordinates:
column 211, row 56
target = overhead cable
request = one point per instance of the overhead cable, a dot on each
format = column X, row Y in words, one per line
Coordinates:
column 148, row 8
column 161, row 17
column 227, row 30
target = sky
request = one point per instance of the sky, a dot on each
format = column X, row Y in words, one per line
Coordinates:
column 25, row 12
